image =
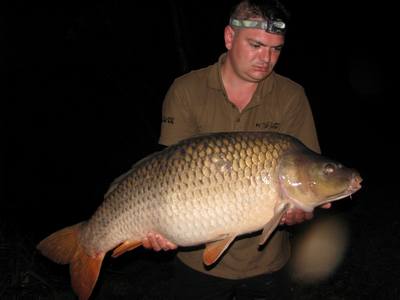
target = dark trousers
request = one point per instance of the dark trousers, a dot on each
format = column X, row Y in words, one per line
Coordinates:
column 190, row 284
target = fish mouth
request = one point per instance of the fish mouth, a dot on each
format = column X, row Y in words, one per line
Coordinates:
column 354, row 186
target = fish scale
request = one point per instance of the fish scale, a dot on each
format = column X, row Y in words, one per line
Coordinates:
column 207, row 189
column 199, row 189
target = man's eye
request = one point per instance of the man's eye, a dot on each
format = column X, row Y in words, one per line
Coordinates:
column 277, row 49
column 255, row 45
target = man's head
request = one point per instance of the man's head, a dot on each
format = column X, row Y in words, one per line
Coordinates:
column 268, row 15
column 254, row 38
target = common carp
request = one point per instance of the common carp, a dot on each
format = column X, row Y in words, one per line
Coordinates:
column 208, row 190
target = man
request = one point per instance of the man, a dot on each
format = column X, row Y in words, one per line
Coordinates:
column 240, row 92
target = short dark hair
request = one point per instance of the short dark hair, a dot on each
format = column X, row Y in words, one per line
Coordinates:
column 264, row 9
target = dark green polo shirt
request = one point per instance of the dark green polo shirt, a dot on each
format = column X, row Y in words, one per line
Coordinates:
column 197, row 103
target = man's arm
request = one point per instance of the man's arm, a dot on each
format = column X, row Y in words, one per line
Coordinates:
column 177, row 120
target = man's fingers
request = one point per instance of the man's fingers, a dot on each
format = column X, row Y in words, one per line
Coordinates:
column 154, row 242
column 327, row 205
column 157, row 242
column 162, row 243
column 295, row 217
column 150, row 242
column 171, row 246
column 146, row 243
column 308, row 215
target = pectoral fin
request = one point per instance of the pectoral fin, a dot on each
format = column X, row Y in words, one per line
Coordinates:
column 214, row 250
column 126, row 246
column 271, row 225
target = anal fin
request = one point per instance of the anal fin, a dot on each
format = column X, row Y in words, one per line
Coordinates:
column 125, row 247
column 215, row 249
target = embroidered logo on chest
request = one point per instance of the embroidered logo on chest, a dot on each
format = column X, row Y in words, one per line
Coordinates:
column 267, row 125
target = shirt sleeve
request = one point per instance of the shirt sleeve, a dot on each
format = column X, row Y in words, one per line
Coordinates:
column 177, row 121
column 300, row 121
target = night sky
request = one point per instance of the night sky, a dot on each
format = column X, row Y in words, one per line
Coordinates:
column 85, row 84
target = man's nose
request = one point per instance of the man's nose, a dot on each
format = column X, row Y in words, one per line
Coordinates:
column 266, row 54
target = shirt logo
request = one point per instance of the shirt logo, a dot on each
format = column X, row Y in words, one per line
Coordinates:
column 268, row 125
column 168, row 120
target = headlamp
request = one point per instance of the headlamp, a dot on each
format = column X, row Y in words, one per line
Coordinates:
column 271, row 26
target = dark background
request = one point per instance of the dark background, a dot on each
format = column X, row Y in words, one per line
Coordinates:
column 85, row 81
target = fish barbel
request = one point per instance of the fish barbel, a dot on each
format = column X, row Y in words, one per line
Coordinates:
column 203, row 190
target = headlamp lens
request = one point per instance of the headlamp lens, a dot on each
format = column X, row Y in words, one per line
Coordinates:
column 271, row 26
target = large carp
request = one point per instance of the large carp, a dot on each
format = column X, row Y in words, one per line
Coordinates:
column 207, row 189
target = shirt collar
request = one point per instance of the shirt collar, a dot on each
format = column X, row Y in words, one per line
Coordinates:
column 215, row 81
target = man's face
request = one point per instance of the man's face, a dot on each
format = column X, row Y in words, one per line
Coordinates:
column 253, row 53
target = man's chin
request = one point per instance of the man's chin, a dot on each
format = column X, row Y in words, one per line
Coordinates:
column 258, row 76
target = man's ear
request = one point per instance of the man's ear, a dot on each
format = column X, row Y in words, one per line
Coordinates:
column 229, row 35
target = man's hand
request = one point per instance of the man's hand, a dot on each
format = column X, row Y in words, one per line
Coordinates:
column 156, row 242
column 296, row 215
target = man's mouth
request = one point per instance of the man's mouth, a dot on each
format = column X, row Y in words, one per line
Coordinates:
column 262, row 68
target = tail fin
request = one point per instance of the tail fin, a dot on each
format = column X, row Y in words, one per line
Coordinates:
column 63, row 247
column 84, row 270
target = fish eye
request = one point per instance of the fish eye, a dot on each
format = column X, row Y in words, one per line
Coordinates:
column 329, row 168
